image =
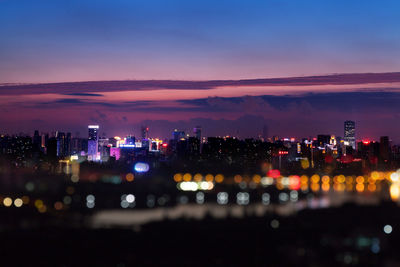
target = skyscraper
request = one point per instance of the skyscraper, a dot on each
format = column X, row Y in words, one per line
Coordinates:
column 350, row 133
column 384, row 148
column 60, row 144
column 67, row 145
column 36, row 141
column 145, row 132
column 93, row 142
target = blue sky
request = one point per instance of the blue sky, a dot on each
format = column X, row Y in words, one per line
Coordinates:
column 54, row 41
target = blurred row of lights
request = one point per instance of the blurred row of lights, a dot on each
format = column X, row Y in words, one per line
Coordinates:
column 187, row 177
column 195, row 186
column 293, row 181
column 8, row 202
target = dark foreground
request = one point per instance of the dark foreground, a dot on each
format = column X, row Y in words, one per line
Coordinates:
column 347, row 236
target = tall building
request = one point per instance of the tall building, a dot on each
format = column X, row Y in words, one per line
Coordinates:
column 145, row 132
column 67, row 145
column 197, row 132
column 93, row 142
column 36, row 141
column 384, row 148
column 350, row 133
column 60, row 136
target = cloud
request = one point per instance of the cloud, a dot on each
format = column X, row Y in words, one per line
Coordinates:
column 265, row 104
column 66, row 101
column 84, row 94
column 86, row 88
column 70, row 102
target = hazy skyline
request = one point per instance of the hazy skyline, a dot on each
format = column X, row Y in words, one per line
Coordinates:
column 291, row 107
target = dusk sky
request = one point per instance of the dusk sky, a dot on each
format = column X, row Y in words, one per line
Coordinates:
column 176, row 64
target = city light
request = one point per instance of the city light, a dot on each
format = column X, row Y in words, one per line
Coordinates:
column 141, row 167
column 388, row 229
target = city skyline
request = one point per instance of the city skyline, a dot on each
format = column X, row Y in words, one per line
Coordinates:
column 294, row 106
column 349, row 137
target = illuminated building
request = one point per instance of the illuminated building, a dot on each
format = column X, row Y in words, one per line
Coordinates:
column 115, row 152
column 60, row 144
column 155, row 145
column 333, row 141
column 44, row 140
column 350, row 133
column 104, row 149
column 298, row 148
column 93, row 142
column 67, row 145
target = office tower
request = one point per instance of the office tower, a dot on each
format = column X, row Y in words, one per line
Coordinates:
column 93, row 142
column 67, row 145
column 36, row 141
column 76, row 146
column 44, row 140
column 197, row 132
column 60, row 136
column 333, row 140
column 350, row 133
column 145, row 132
column 384, row 148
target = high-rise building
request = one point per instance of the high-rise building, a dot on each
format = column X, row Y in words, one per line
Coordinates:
column 145, row 132
column 44, row 140
column 384, row 148
column 93, row 142
column 36, row 141
column 60, row 136
column 350, row 133
column 67, row 145
column 197, row 132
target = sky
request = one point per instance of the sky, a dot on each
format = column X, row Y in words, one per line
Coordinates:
column 230, row 66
